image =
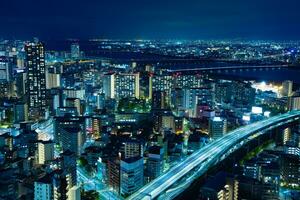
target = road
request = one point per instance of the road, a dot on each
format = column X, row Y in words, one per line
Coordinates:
column 209, row 155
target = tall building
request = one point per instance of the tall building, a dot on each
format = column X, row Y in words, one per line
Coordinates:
column 109, row 85
column 113, row 174
column 69, row 166
column 190, row 81
column 74, row 193
column 131, row 175
column 221, row 187
column 287, row 88
column 45, row 151
column 163, row 83
column 127, row 85
column 75, row 50
column 5, row 69
column 294, row 101
column 43, row 188
column 196, row 96
column 36, row 79
column 217, row 127
column 159, row 100
column 131, row 148
column 155, row 162
column 69, row 133
column 20, row 112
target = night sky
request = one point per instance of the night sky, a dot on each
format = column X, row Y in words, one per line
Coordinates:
column 151, row 19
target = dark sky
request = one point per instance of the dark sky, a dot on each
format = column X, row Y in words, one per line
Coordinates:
column 151, row 19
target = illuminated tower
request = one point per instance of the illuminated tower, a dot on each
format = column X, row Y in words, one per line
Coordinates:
column 36, row 79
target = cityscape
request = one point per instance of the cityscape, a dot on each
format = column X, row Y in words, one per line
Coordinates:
column 98, row 115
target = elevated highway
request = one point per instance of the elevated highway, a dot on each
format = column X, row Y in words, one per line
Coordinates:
column 207, row 157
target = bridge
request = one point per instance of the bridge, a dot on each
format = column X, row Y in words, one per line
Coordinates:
column 229, row 68
column 205, row 158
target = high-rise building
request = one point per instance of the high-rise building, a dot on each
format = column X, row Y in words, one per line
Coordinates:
column 127, row 85
column 287, row 88
column 74, row 102
column 131, row 148
column 43, row 188
column 217, row 127
column 109, row 85
column 294, row 101
column 190, row 81
column 20, row 112
column 196, row 96
column 69, row 166
column 45, row 151
column 159, row 100
column 75, row 50
column 113, row 174
column 131, row 175
column 36, row 79
column 221, row 187
column 74, row 193
column 163, row 83
column 69, row 133
column 5, row 69
column 155, row 162
column 53, row 80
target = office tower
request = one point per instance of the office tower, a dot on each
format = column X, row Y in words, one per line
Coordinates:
column 100, row 100
column 241, row 93
column 45, row 151
column 21, row 83
column 145, row 85
column 69, row 133
column 53, row 80
column 159, row 100
column 113, row 174
column 131, row 175
column 287, row 88
column 72, row 139
column 20, row 112
column 294, row 101
column 109, row 85
column 196, row 96
column 69, row 166
column 223, row 92
column 36, row 79
column 163, row 83
column 289, row 168
column 5, row 69
column 190, row 81
column 5, row 77
column 217, row 127
column 74, row 102
column 287, row 135
column 131, row 148
column 155, row 162
column 127, row 85
column 96, row 127
column 74, row 193
column 75, row 50
column 222, row 186
column 43, row 188
column 60, row 185
column 75, row 93
column 168, row 122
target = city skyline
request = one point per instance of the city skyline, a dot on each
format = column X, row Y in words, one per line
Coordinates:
column 149, row 99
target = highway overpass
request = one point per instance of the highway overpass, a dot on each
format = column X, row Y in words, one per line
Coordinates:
column 201, row 161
